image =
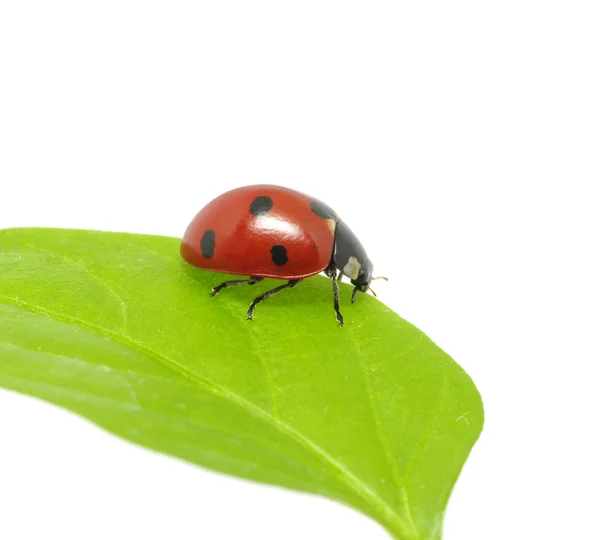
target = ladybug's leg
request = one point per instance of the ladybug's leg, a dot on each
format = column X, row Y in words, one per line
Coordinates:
column 336, row 302
column 268, row 294
column 340, row 276
column 331, row 272
column 249, row 281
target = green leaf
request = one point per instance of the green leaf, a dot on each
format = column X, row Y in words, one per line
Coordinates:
column 117, row 328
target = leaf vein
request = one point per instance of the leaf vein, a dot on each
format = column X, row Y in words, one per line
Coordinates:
column 122, row 304
column 263, row 359
column 382, row 436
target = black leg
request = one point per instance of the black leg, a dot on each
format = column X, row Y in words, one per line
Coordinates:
column 268, row 294
column 249, row 281
column 336, row 302
column 354, row 294
column 331, row 272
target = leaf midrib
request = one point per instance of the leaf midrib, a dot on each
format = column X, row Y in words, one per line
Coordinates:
column 381, row 507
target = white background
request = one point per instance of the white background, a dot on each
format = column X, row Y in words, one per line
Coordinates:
column 461, row 142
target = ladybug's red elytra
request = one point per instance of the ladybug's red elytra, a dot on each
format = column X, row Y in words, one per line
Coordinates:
column 266, row 231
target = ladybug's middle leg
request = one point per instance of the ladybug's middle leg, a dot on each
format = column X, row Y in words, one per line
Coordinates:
column 268, row 294
column 249, row 281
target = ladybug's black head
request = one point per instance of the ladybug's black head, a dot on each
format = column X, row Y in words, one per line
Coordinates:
column 365, row 275
column 364, row 278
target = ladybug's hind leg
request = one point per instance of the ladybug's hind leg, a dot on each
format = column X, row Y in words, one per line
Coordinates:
column 268, row 294
column 249, row 281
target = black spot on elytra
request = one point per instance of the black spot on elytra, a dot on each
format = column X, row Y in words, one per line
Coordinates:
column 279, row 255
column 207, row 243
column 322, row 210
column 261, row 205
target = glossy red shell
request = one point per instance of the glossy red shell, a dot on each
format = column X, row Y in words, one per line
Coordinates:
column 243, row 241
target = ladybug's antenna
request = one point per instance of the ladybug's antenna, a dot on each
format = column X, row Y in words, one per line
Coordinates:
column 378, row 277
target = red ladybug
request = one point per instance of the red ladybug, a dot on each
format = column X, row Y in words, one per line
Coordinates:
column 268, row 231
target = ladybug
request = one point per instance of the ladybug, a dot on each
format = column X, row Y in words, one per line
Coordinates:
column 266, row 231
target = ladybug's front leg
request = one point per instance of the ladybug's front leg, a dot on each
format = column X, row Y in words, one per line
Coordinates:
column 331, row 272
column 268, row 294
column 336, row 303
column 249, row 281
